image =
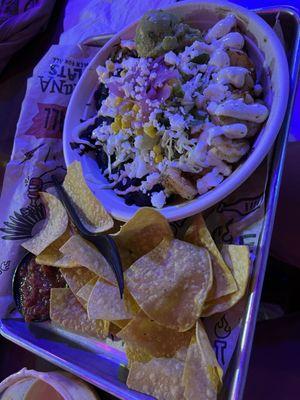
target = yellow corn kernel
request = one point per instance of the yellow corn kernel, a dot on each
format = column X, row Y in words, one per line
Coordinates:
column 139, row 131
column 173, row 81
column 118, row 101
column 158, row 158
column 126, row 107
column 115, row 127
column 126, row 123
column 136, row 108
column 110, row 65
column 118, row 120
column 157, row 149
column 150, row 131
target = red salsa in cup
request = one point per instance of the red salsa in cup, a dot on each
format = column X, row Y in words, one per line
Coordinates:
column 36, row 282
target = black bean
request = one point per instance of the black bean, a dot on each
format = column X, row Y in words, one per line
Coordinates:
column 141, row 199
column 100, row 94
column 101, row 158
column 138, row 198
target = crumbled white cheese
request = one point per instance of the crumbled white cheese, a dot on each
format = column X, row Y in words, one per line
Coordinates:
column 190, row 88
column 128, row 89
column 138, row 141
column 101, row 132
column 151, row 180
column 140, row 80
column 158, row 199
column 141, row 168
column 102, row 73
column 130, row 63
column 107, row 110
column 209, row 181
column 153, row 75
column 189, row 68
column 177, row 121
column 136, row 169
column 203, row 47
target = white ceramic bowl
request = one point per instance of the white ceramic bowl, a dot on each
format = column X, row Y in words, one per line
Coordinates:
column 202, row 15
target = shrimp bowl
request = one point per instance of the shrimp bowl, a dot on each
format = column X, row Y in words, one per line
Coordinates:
column 178, row 109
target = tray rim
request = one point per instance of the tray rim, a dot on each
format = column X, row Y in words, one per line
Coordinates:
column 245, row 340
column 244, row 344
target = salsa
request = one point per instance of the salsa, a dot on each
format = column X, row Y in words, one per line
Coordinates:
column 35, row 284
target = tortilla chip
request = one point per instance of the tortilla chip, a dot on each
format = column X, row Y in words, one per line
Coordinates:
column 76, row 277
column 122, row 323
column 52, row 256
column 208, row 353
column 88, row 207
column 171, row 283
column 86, row 255
column 159, row 377
column 66, row 311
column 237, row 257
column 54, row 226
column 154, row 339
column 113, row 329
column 134, row 353
column 130, row 302
column 223, row 281
column 202, row 376
column 84, row 293
column 141, row 234
column 105, row 303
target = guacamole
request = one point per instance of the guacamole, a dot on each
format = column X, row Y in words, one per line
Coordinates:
column 159, row 32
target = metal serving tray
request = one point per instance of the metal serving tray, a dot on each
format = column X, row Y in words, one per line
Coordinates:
column 101, row 364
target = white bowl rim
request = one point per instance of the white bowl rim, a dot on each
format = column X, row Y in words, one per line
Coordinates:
column 254, row 159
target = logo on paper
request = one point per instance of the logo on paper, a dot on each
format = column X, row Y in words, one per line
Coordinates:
column 222, row 330
column 242, row 206
column 236, row 211
column 220, row 347
column 62, row 76
column 48, row 122
column 21, row 223
column 4, row 266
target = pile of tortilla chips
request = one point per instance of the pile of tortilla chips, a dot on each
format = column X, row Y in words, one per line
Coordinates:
column 170, row 284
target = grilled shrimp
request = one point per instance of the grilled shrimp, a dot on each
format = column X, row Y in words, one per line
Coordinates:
column 176, row 183
column 253, row 127
column 230, row 150
column 238, row 58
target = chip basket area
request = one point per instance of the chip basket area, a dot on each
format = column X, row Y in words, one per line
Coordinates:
column 103, row 365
